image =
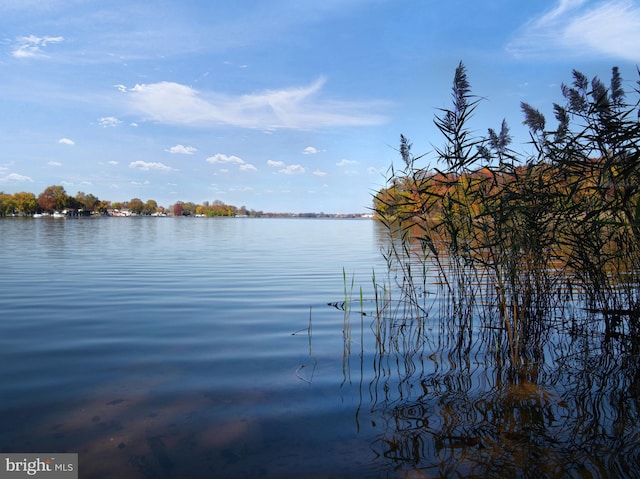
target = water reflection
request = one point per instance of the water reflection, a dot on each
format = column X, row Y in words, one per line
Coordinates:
column 447, row 398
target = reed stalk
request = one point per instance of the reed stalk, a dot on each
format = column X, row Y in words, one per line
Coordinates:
column 505, row 232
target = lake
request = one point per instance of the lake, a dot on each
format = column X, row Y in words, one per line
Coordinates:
column 175, row 347
column 221, row 348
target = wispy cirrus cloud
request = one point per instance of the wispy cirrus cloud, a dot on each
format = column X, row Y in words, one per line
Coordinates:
column 290, row 108
column 579, row 27
column 32, row 46
column 150, row 165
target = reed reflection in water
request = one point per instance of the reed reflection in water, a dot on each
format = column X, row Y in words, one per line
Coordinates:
column 446, row 399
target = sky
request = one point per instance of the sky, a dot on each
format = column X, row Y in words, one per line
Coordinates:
column 278, row 105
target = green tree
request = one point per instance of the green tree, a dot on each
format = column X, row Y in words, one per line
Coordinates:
column 136, row 206
column 103, row 206
column 150, row 207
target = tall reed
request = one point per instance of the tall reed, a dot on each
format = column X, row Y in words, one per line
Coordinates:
column 510, row 236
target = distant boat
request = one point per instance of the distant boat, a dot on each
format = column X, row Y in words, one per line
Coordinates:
column 37, row 215
column 57, row 214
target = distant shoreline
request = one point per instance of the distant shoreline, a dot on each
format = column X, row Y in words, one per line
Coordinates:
column 263, row 215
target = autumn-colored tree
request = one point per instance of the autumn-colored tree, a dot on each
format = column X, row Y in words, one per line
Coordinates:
column 188, row 209
column 219, row 208
column 53, row 198
column 87, row 201
column 26, row 203
column 7, row 204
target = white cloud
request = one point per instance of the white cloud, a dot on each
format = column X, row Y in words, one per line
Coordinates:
column 149, row 165
column 182, row 150
column 295, row 108
column 121, row 88
column 66, row 141
column 346, row 162
column 54, row 163
column 310, row 150
column 577, row 27
column 284, row 169
column 320, row 173
column 293, row 170
column 31, row 46
column 224, row 159
column 220, row 158
column 112, row 162
column 108, row 121
column 17, row 178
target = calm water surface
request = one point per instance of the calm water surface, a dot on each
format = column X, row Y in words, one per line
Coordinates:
column 176, row 347
column 205, row 348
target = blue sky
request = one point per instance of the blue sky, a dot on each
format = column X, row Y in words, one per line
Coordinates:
column 279, row 105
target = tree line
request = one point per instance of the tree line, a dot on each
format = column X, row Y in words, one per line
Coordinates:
column 55, row 198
